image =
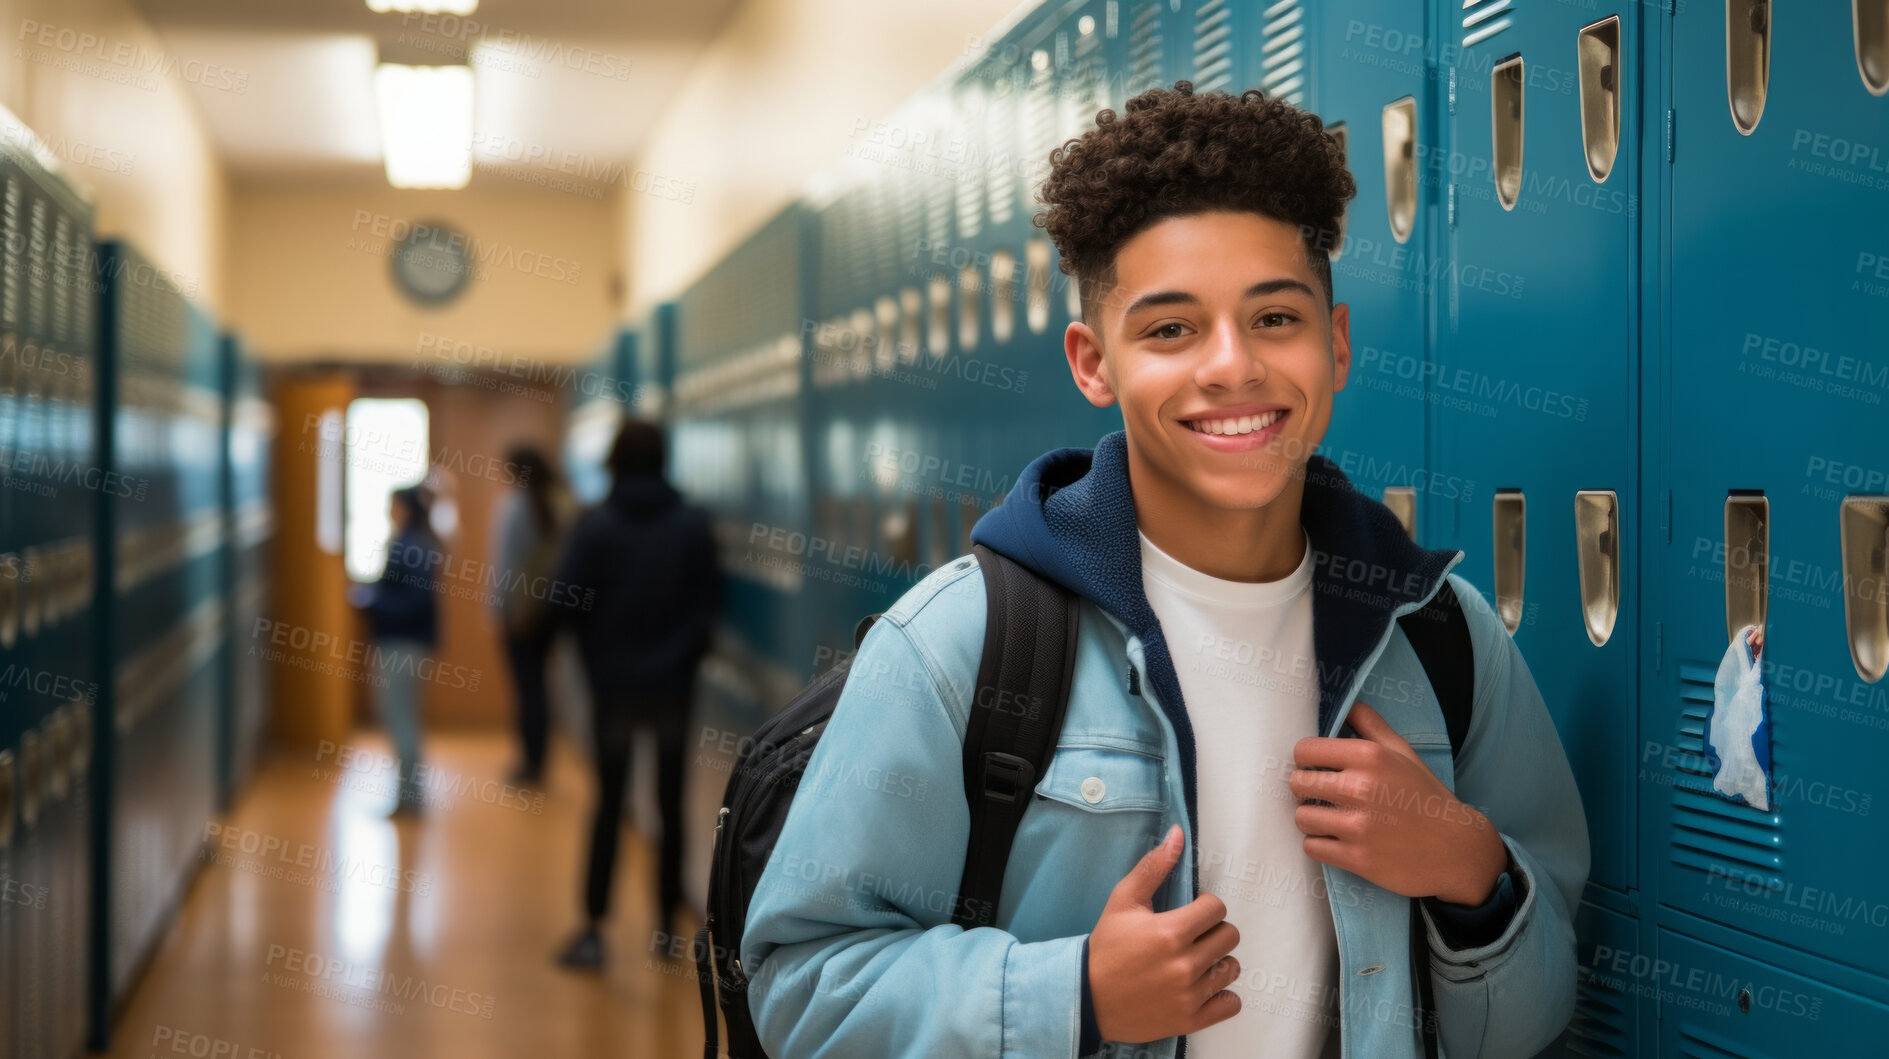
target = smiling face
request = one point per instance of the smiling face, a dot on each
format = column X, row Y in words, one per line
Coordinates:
column 1216, row 340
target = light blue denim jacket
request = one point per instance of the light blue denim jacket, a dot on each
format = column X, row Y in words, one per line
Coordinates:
column 849, row 942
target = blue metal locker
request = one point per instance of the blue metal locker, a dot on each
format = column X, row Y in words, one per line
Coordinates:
column 1368, row 81
column 1769, row 487
column 1536, row 342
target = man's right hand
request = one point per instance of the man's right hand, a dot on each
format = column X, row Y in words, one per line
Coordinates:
column 1153, row 974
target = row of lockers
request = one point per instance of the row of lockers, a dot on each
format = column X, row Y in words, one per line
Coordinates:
column 1619, row 293
column 133, row 523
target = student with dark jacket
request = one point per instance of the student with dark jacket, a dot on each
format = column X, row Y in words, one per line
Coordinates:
column 643, row 562
column 403, row 618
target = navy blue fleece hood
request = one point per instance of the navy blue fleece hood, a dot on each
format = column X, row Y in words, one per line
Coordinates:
column 1071, row 519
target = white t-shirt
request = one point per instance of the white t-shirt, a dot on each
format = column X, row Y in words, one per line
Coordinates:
column 1243, row 654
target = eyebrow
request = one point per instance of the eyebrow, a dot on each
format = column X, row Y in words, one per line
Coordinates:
column 1175, row 297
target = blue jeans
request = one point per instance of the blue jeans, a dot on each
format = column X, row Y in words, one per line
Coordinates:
column 400, row 706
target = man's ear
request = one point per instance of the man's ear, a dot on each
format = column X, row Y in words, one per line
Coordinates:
column 1084, row 351
column 1340, row 345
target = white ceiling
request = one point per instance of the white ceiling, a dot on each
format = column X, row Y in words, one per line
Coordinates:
column 566, row 89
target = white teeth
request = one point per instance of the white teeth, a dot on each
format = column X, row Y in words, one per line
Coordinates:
column 1240, row 425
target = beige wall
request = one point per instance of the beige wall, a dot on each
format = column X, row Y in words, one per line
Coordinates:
column 92, row 79
column 774, row 101
column 310, row 273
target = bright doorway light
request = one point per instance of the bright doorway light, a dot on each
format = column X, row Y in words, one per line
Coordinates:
column 386, row 450
column 425, row 124
column 424, row 7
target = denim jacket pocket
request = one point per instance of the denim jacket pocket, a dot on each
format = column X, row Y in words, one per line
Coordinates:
column 1104, row 779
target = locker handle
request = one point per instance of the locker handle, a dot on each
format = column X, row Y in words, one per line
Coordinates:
column 1871, row 19
column 1400, row 166
column 81, row 740
column 1599, row 48
column 32, row 583
column 1597, row 540
column 1505, row 103
column 1402, row 500
column 58, row 755
column 32, row 777
column 1747, row 60
column 1747, row 560
column 9, row 599
column 1511, row 554
column 1864, row 532
column 9, row 793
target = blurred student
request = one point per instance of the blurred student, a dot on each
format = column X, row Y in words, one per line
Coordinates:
column 645, row 562
column 403, row 618
column 527, row 537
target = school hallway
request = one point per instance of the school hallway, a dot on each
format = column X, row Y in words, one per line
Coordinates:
column 317, row 927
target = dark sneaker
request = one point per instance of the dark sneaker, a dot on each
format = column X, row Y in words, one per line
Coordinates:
column 585, row 952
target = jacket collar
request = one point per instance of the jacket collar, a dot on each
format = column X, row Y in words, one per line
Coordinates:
column 638, row 496
column 1071, row 519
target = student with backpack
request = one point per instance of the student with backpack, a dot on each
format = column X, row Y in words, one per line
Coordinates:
column 1276, row 783
column 647, row 586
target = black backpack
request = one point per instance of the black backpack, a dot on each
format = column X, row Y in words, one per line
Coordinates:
column 1029, row 650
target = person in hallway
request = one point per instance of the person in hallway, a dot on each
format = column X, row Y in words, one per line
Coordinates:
column 643, row 561
column 1275, row 823
column 403, row 618
column 527, row 536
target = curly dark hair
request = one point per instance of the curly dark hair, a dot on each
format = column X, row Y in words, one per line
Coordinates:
column 1175, row 153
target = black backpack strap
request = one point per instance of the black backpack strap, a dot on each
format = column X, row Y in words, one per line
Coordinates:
column 705, row 977
column 1439, row 634
column 1016, row 712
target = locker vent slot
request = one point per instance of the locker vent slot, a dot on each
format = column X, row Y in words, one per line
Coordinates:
column 1483, row 19
column 1711, row 834
column 967, row 177
column 1747, row 60
column 61, row 279
column 1088, row 81
column 1282, row 51
column 1145, row 46
column 1600, row 1023
column 1039, row 125
column 10, row 265
column 1698, row 1043
column 1000, row 149
column 1213, row 46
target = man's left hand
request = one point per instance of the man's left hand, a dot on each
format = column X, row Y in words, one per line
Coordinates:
column 1390, row 819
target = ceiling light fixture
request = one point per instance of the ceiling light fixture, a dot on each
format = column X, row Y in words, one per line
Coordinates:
column 424, row 7
column 425, row 124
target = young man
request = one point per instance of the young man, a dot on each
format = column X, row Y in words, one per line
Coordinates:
column 1239, row 606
